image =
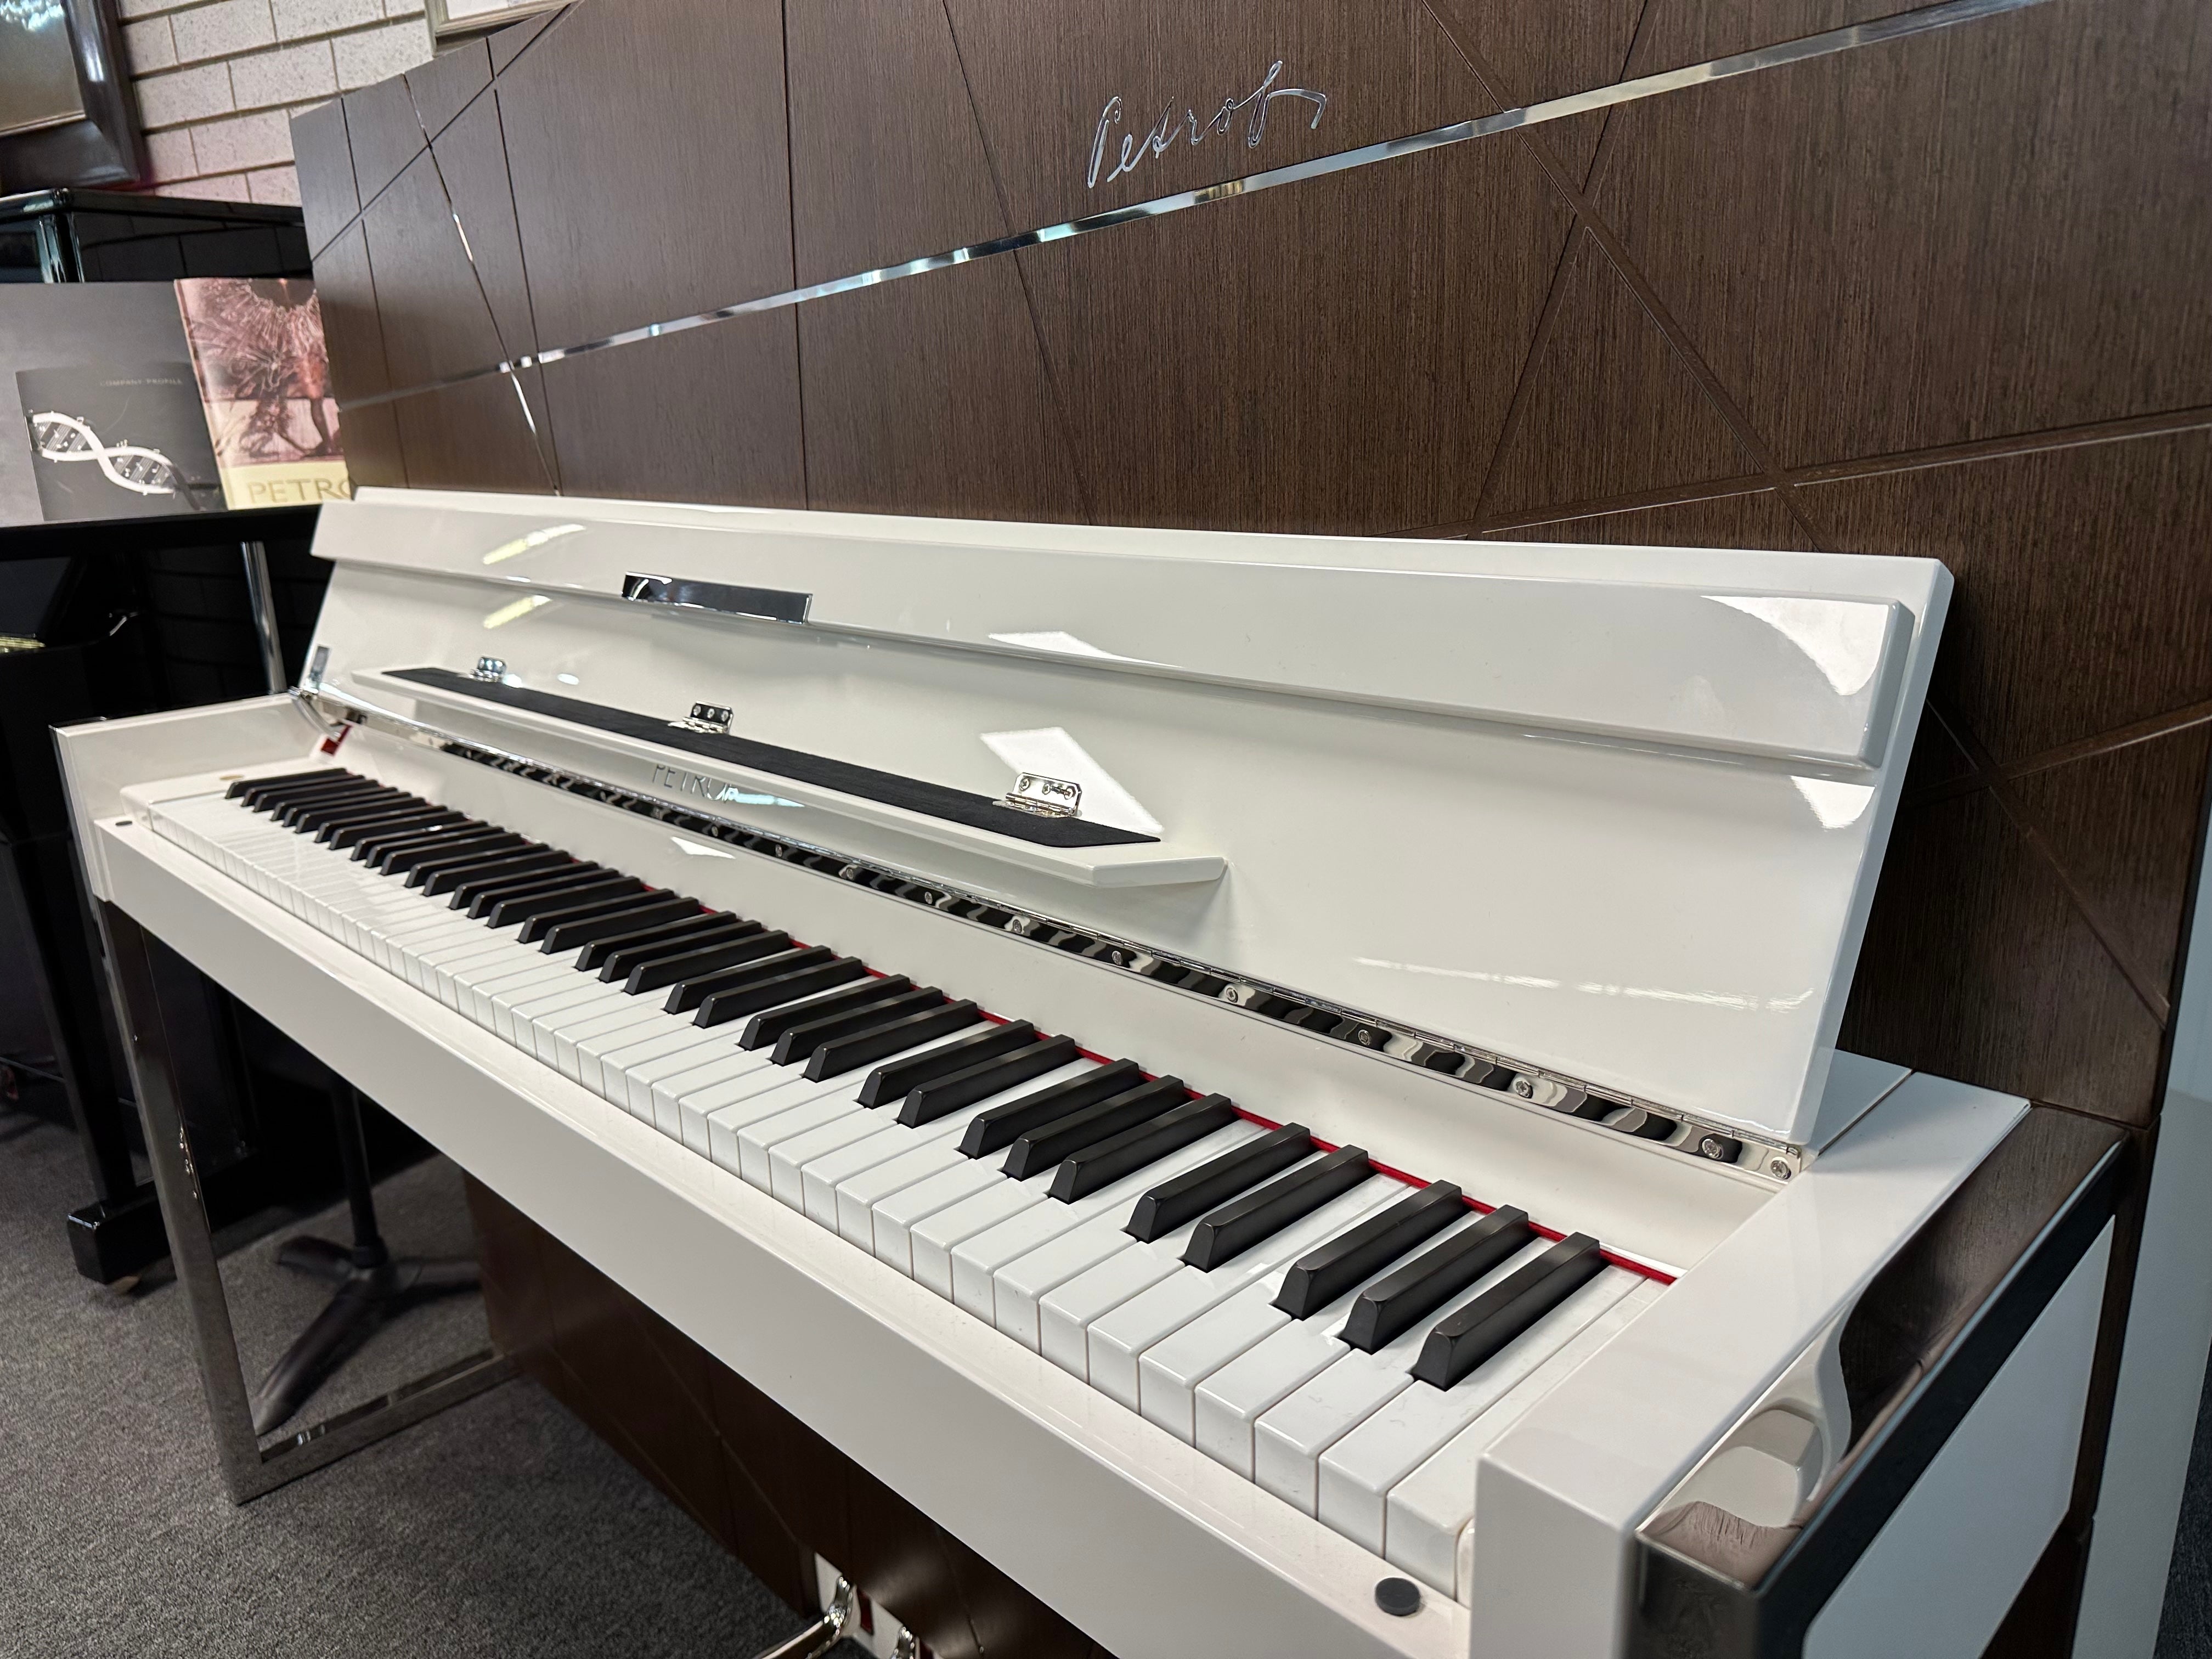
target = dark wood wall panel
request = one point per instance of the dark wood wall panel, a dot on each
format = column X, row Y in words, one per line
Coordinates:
column 1184, row 352
column 646, row 143
column 479, row 435
column 711, row 415
column 324, row 161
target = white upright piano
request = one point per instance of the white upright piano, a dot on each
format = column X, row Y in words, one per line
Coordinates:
column 1282, row 1089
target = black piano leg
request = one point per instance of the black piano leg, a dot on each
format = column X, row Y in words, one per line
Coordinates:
column 372, row 1287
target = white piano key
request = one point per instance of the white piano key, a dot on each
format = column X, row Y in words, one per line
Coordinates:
column 701, row 1045
column 977, row 1260
column 786, row 1143
column 1357, row 1472
column 934, row 1237
column 699, row 1107
column 1066, row 1312
column 896, row 1216
column 1116, row 1340
column 670, row 1092
column 620, row 1028
column 778, row 1094
column 1428, row 1510
column 651, row 1040
column 1290, row 1436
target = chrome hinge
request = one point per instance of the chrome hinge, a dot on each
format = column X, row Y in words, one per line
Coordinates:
column 704, row 717
column 491, row 668
column 1044, row 797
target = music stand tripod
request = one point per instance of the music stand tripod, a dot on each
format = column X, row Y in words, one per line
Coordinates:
column 373, row 1286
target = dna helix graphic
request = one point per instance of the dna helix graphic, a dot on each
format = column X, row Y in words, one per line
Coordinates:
column 144, row 471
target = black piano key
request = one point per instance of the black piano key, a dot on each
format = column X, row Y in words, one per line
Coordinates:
column 583, row 905
column 766, row 1028
column 1002, row 1126
column 745, row 990
column 344, row 837
column 849, row 1054
column 568, row 935
column 798, row 1038
column 1046, row 1145
column 420, row 870
column 1176, row 1203
column 437, row 881
column 399, row 860
column 244, row 786
column 370, row 849
column 1462, row 1342
column 1320, row 1276
column 1391, row 1305
column 259, row 794
column 941, row 1096
column 289, row 812
column 316, row 821
column 277, row 802
column 477, row 897
column 611, row 959
column 725, row 965
column 1107, row 1161
column 524, row 906
column 890, row 1082
column 1224, row 1234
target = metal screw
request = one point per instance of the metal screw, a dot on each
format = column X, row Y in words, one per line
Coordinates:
column 1711, row 1146
column 1523, row 1088
column 1779, row 1168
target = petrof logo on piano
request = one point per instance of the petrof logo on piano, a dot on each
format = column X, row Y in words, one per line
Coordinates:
column 696, row 783
column 1171, row 128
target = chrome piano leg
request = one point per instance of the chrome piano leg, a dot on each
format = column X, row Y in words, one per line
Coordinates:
column 148, row 981
column 819, row 1637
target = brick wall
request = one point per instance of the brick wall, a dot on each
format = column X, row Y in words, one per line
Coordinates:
column 218, row 80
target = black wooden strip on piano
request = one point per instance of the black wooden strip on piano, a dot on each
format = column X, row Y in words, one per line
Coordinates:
column 1320, row 1276
column 849, row 1054
column 1227, row 1233
column 370, row 849
column 1002, row 1126
column 890, row 1082
column 954, row 805
column 477, row 897
column 1124, row 1154
column 1460, row 1344
column 722, row 967
column 608, row 924
column 942, row 1097
column 582, row 907
column 475, row 876
column 400, row 857
column 1174, row 1203
column 422, row 867
column 341, row 837
column 608, row 885
column 611, row 959
column 1388, row 1308
column 1045, row 1146
column 800, row 1038
column 244, row 785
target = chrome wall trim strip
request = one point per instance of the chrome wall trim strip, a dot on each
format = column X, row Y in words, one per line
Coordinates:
column 1664, row 1128
column 1850, row 38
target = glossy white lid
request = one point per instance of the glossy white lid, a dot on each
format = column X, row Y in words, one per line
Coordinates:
column 1615, row 813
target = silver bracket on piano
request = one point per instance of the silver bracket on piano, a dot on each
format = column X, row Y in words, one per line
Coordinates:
column 761, row 604
column 490, row 668
column 1661, row 1127
column 705, row 717
column 1045, row 798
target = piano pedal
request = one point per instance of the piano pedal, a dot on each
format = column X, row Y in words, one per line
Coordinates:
column 819, row 1637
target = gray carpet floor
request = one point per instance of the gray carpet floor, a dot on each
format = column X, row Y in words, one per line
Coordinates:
column 500, row 1528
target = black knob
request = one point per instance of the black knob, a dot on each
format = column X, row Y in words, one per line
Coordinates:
column 1399, row 1597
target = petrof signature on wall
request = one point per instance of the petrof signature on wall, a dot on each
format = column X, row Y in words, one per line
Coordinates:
column 1172, row 129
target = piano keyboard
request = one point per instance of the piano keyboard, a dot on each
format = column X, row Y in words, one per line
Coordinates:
column 1347, row 1340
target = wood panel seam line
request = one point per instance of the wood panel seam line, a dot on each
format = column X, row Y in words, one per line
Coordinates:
column 362, row 212
column 791, row 247
column 2009, row 803
column 522, row 247
column 2119, row 429
column 2105, row 743
column 1060, row 414
column 1577, row 200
